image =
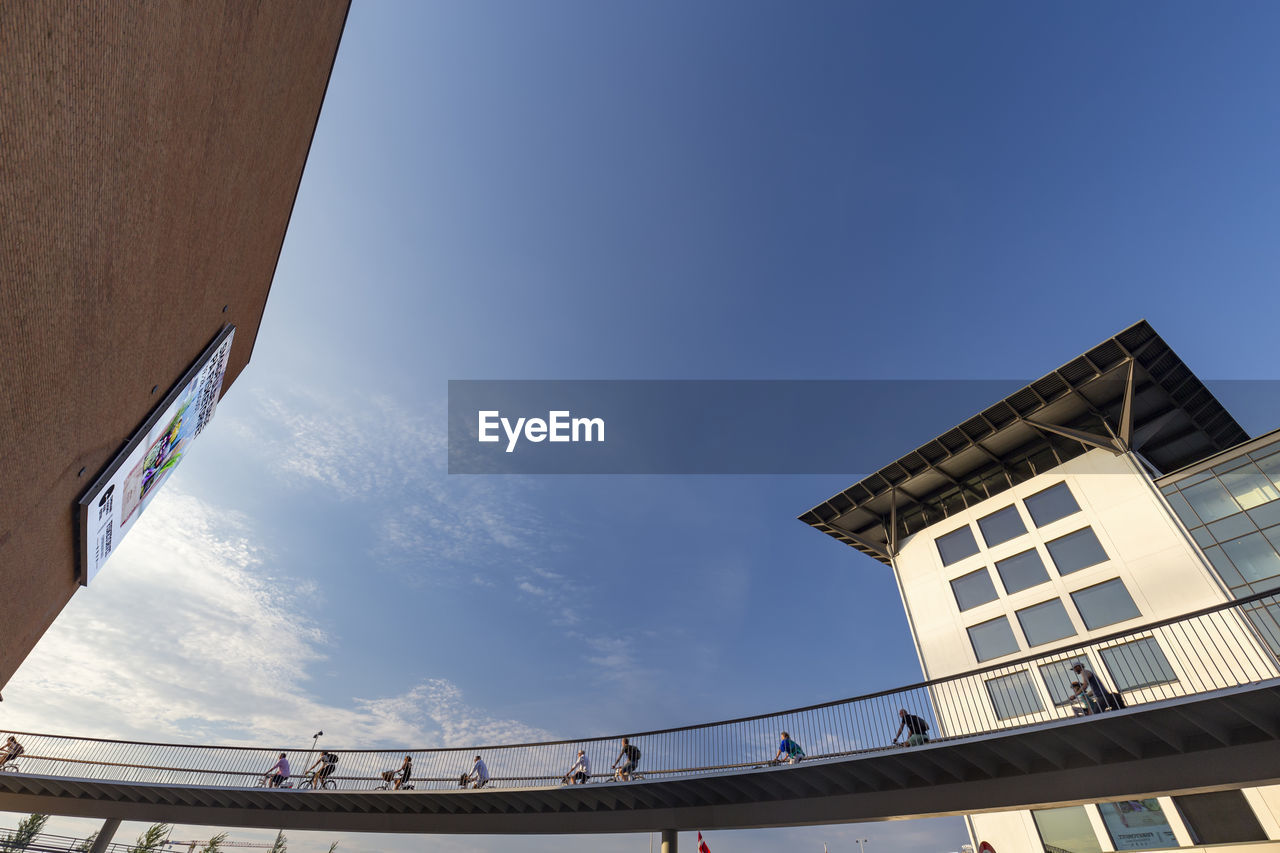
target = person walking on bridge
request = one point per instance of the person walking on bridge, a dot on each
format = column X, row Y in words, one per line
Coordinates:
column 916, row 728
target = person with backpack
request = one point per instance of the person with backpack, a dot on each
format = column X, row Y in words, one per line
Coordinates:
column 790, row 749
column 630, row 757
column 916, row 728
column 323, row 766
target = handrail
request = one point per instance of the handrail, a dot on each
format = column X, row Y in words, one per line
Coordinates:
column 1225, row 645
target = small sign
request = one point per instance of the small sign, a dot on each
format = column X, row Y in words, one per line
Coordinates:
column 118, row 497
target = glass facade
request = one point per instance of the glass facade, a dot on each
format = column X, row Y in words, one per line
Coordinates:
column 1076, row 551
column 1045, row 622
column 1105, row 604
column 992, row 639
column 957, row 545
column 1052, row 504
column 1233, row 513
column 1014, row 695
column 973, row 589
column 1001, row 526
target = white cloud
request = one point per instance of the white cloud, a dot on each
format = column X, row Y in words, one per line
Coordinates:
column 182, row 638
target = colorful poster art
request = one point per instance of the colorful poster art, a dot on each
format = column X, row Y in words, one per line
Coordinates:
column 1137, row 825
column 119, row 496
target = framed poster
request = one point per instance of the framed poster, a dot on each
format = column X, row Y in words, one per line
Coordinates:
column 121, row 493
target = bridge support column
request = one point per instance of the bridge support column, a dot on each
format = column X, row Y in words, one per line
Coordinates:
column 669, row 841
column 108, row 831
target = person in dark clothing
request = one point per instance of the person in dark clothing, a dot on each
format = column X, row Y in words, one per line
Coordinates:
column 625, row 763
column 916, row 728
column 1106, row 700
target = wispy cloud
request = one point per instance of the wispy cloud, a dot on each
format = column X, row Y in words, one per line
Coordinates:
column 182, row 638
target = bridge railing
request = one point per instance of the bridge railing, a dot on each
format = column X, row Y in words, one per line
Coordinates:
column 1229, row 645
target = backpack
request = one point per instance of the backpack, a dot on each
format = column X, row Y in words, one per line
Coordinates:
column 330, row 758
column 795, row 751
column 633, row 752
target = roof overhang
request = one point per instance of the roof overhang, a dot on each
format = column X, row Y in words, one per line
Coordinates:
column 1130, row 393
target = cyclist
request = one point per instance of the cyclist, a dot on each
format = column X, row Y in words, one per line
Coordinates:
column 11, row 750
column 320, row 770
column 278, row 773
column 788, row 750
column 580, row 772
column 399, row 778
column 630, row 757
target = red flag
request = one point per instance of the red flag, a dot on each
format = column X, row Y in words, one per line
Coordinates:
column 702, row 845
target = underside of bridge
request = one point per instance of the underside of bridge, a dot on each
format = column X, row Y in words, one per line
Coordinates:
column 1212, row 741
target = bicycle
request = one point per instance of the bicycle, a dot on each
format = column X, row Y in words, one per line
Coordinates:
column 389, row 782
column 314, row 781
column 265, row 782
column 9, row 766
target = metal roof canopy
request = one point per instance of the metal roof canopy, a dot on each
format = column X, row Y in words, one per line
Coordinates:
column 1130, row 392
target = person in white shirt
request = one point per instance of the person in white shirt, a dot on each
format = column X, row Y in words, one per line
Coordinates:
column 579, row 773
column 479, row 773
column 278, row 773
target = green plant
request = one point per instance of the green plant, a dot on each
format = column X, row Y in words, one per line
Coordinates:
column 28, row 828
column 214, row 845
column 281, row 844
column 87, row 845
column 151, row 841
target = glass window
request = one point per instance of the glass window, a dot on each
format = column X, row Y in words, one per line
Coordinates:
column 1014, row 695
column 1249, row 486
column 1271, row 467
column 1222, row 817
column 1266, row 618
column 1067, row 828
column 1076, row 551
column 1254, row 557
column 957, row 545
column 1137, row 664
column 1184, row 510
column 1137, row 825
column 1057, row 677
column 1231, row 527
column 973, row 589
column 1045, row 622
column 1265, row 450
column 1225, row 569
column 1001, row 526
column 1052, row 504
column 992, row 639
column 1105, row 604
column 1211, row 501
column 1022, row 571
column 1203, row 537
column 1193, row 479
column 1266, row 515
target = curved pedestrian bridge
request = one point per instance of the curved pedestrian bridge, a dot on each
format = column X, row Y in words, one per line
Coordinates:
column 1207, row 716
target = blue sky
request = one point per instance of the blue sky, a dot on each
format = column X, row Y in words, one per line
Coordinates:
column 656, row 190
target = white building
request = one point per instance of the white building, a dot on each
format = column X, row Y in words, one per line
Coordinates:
column 1111, row 493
